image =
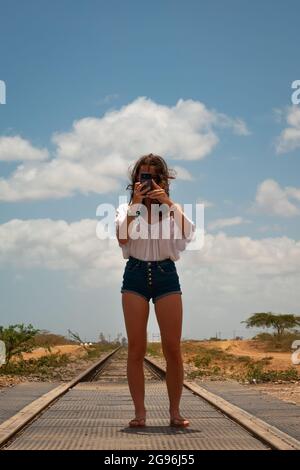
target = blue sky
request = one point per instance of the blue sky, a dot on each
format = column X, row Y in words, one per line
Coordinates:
column 206, row 84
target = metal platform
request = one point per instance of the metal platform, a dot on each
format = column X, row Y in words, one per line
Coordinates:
column 95, row 416
column 13, row 399
column 285, row 416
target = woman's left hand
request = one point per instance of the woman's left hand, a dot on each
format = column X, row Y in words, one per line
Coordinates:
column 158, row 193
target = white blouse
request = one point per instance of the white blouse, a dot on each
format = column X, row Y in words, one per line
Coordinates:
column 155, row 247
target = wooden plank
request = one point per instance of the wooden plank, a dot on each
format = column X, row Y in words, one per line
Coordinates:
column 29, row 412
column 273, row 436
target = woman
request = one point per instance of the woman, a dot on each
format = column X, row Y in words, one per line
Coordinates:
column 151, row 272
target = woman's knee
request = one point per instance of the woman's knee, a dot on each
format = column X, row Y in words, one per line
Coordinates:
column 136, row 351
column 172, row 351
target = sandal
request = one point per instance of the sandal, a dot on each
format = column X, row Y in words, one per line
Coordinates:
column 179, row 422
column 137, row 422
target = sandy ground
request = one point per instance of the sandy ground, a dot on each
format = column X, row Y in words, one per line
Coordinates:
column 288, row 391
column 71, row 349
column 62, row 374
column 280, row 361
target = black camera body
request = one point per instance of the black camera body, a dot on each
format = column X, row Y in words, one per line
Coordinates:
column 146, row 177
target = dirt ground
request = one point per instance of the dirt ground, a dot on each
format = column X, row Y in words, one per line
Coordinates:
column 289, row 392
column 63, row 374
column 280, row 361
column 71, row 349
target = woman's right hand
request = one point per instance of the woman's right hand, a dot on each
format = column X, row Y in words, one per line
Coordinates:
column 139, row 192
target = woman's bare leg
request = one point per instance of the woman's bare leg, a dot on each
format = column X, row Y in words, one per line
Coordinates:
column 168, row 311
column 136, row 312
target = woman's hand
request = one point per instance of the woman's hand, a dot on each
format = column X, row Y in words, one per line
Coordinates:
column 139, row 192
column 158, row 193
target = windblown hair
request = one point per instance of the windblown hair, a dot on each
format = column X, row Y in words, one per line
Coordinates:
column 163, row 172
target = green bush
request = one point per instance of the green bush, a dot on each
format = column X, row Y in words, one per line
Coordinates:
column 97, row 349
column 275, row 343
column 18, row 338
column 201, row 361
column 40, row 366
column 259, row 375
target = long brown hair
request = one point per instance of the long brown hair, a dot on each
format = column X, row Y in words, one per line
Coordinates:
column 162, row 170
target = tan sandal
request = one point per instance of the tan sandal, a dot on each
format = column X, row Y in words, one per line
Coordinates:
column 179, row 422
column 137, row 422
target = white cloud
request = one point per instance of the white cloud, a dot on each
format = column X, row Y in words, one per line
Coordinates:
column 75, row 246
column 274, row 200
column 205, row 202
column 230, row 276
column 59, row 245
column 293, row 192
column 289, row 139
column 278, row 114
column 229, row 222
column 270, row 228
column 94, row 156
column 107, row 99
column 16, row 148
column 182, row 173
column 238, row 125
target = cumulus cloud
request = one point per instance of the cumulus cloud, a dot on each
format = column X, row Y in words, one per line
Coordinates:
column 289, row 139
column 182, row 173
column 205, row 202
column 227, row 222
column 293, row 192
column 270, row 228
column 75, row 247
column 16, row 148
column 95, row 154
column 223, row 283
column 232, row 277
column 274, row 200
column 238, row 126
column 58, row 245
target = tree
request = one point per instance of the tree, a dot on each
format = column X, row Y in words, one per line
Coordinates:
column 279, row 322
column 17, row 338
column 75, row 337
column 102, row 338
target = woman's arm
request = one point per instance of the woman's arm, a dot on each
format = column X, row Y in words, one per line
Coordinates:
column 187, row 225
column 126, row 213
column 123, row 220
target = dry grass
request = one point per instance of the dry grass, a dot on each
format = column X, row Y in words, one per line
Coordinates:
column 243, row 360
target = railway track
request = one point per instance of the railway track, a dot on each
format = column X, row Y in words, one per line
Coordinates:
column 92, row 412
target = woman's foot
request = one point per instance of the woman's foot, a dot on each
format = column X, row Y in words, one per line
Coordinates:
column 138, row 422
column 177, row 421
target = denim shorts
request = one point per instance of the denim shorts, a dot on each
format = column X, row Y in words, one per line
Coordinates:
column 151, row 279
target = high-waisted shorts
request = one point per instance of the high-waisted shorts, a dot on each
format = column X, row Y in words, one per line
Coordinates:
column 151, row 279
